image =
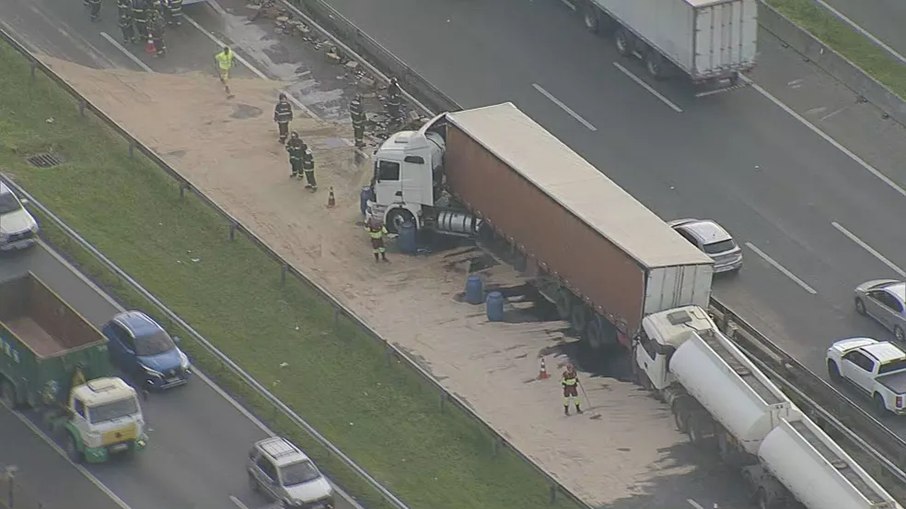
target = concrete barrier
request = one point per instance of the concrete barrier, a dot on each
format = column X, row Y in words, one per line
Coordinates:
column 832, row 62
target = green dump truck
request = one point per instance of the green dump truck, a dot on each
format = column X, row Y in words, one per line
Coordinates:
column 51, row 358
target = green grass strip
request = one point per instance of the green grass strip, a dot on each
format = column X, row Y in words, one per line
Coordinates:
column 844, row 40
column 378, row 411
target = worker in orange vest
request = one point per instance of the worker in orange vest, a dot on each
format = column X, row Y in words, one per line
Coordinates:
column 570, row 383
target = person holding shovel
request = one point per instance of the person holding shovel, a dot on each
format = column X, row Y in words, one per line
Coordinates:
column 570, row 383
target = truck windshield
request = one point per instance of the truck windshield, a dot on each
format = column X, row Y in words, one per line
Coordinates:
column 890, row 367
column 154, row 344
column 298, row 473
column 112, row 410
column 8, row 203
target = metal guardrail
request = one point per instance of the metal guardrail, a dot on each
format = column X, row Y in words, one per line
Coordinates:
column 555, row 489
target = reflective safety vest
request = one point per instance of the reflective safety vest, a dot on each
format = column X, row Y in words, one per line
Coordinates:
column 224, row 59
column 376, row 233
column 570, row 379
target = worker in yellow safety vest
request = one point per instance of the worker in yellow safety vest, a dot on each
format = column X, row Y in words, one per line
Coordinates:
column 570, row 383
column 224, row 61
column 376, row 231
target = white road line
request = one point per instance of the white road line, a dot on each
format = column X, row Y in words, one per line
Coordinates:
column 564, row 107
column 569, row 4
column 862, row 31
column 251, row 67
column 694, row 504
column 874, row 171
column 647, row 87
column 82, row 470
column 238, row 502
column 781, row 268
column 126, row 52
column 868, row 248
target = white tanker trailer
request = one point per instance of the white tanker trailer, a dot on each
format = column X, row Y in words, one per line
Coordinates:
column 721, row 399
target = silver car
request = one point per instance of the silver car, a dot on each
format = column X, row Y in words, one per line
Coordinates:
column 286, row 474
column 885, row 301
column 712, row 240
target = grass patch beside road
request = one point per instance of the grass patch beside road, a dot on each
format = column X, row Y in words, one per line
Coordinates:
column 842, row 38
column 376, row 410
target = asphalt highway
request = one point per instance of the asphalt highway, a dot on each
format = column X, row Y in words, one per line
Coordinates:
column 199, row 439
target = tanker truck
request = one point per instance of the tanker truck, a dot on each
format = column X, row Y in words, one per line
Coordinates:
column 589, row 247
column 721, row 400
column 53, row 360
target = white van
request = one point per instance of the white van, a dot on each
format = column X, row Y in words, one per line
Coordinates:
column 18, row 229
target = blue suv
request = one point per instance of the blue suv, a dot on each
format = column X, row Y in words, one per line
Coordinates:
column 144, row 351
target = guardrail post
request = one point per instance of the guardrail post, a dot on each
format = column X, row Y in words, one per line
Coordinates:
column 724, row 322
column 131, row 149
column 336, row 317
column 232, row 231
column 283, row 269
column 553, row 492
column 182, row 188
column 34, row 67
column 443, row 401
column 82, row 107
column 495, row 445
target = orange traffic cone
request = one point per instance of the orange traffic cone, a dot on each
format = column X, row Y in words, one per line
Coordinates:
column 331, row 201
column 543, row 373
column 149, row 47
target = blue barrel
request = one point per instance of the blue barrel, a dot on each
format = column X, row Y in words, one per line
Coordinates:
column 495, row 306
column 364, row 196
column 406, row 240
column 474, row 290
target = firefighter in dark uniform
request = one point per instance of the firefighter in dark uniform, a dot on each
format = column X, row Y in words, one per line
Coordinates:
column 296, row 149
column 283, row 115
column 308, row 165
column 357, row 112
column 156, row 27
column 140, row 17
column 570, row 383
column 94, row 8
column 394, row 102
column 174, row 12
column 126, row 21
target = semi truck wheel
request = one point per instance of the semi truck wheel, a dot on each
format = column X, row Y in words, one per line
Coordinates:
column 592, row 17
column 8, row 394
column 623, row 41
column 72, row 449
column 654, row 63
column 395, row 219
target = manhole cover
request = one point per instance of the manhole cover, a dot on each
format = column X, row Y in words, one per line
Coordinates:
column 46, row 160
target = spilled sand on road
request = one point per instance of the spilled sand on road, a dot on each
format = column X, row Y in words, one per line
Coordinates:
column 624, row 446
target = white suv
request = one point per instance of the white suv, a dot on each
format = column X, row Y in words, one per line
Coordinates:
column 283, row 472
column 17, row 228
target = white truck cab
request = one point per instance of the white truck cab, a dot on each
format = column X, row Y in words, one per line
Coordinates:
column 105, row 418
column 877, row 368
column 408, row 175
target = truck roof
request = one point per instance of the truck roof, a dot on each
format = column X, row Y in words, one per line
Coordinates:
column 675, row 326
column 583, row 190
column 102, row 390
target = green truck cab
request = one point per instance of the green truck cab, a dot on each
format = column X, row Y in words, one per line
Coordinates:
column 51, row 358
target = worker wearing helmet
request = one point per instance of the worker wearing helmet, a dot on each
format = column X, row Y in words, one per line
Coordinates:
column 283, row 115
column 570, row 383
column 296, row 148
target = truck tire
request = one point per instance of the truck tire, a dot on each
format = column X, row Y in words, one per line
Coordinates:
column 680, row 416
column 833, row 371
column 591, row 17
column 622, row 39
column 397, row 217
column 72, row 449
column 698, row 425
column 761, row 499
column 655, row 64
column 879, row 405
column 8, row 394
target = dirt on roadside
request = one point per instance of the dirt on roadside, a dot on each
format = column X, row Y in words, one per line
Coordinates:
column 624, row 445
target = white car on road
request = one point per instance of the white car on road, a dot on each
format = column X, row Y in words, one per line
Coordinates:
column 18, row 229
column 877, row 368
column 711, row 239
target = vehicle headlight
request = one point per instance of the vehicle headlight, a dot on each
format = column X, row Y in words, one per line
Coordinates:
column 183, row 360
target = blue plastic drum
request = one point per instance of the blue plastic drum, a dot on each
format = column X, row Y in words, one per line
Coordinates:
column 474, row 290
column 406, row 240
column 495, row 307
column 364, row 196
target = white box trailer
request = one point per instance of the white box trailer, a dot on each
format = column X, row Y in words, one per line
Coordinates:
column 709, row 40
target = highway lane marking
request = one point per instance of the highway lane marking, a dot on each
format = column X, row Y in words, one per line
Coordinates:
column 648, row 87
column 126, row 52
column 868, row 248
column 82, row 470
column 874, row 171
column 862, row 31
column 564, row 107
column 694, row 504
column 238, row 502
column 568, row 4
column 781, row 268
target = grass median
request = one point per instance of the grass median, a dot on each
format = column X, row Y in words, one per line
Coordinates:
column 377, row 410
column 824, row 25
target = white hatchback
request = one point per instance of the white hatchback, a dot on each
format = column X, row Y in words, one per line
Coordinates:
column 18, row 229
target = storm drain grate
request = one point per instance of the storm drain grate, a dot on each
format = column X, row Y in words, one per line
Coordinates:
column 45, row 160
